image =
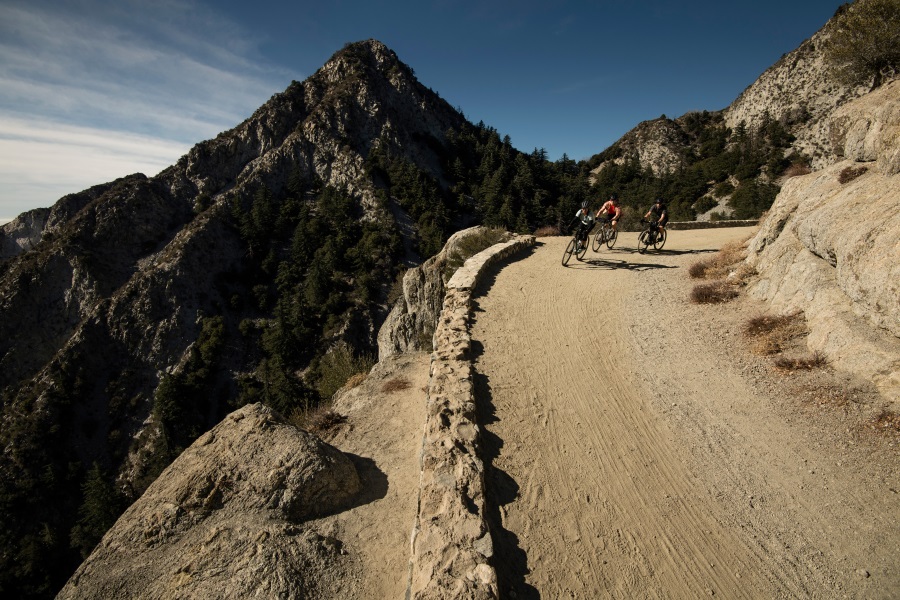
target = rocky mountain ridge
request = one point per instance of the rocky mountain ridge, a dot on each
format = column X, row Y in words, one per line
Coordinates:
column 800, row 91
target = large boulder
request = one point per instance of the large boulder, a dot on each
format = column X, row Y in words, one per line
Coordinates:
column 226, row 520
column 829, row 245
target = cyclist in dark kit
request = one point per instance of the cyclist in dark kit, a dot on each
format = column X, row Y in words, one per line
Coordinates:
column 660, row 213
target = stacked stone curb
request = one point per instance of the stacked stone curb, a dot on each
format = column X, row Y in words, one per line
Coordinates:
column 452, row 545
column 711, row 224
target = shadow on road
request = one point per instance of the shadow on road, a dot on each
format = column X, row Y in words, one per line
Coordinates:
column 510, row 561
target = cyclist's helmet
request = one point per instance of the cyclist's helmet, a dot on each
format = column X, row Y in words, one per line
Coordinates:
column 614, row 197
column 584, row 204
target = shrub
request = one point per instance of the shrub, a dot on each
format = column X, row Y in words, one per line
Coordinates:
column 809, row 361
column 548, row 231
column 849, row 174
column 864, row 45
column 771, row 334
column 797, row 169
column 318, row 420
column 720, row 264
column 397, row 384
column 723, row 189
column 336, row 368
column 704, row 204
column 713, row 293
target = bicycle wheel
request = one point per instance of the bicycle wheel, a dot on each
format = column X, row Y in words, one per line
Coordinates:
column 643, row 241
column 598, row 241
column 581, row 252
column 567, row 253
column 660, row 240
column 611, row 238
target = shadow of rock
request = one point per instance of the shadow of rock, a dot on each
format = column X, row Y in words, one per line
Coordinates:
column 373, row 481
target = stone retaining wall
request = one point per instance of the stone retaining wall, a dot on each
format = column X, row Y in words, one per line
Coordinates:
column 452, row 545
column 711, row 224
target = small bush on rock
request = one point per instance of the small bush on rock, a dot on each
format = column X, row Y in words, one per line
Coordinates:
column 849, row 174
column 772, row 334
column 713, row 293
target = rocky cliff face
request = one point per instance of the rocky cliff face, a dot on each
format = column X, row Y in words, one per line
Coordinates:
column 829, row 244
column 801, row 92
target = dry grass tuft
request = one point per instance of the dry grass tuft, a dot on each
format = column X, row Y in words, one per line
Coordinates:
column 713, row 293
column 809, row 361
column 797, row 169
column 397, row 384
column 886, row 421
column 849, row 174
column 772, row 334
column 547, row 231
column 318, row 420
column 354, row 381
column 721, row 264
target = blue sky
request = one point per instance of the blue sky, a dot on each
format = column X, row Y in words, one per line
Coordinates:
column 92, row 90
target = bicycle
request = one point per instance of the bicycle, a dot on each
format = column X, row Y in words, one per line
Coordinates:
column 606, row 235
column 575, row 246
column 650, row 236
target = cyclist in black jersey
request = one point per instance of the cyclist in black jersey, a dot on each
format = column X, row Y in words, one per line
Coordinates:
column 660, row 213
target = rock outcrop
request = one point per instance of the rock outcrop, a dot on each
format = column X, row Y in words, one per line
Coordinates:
column 829, row 245
column 225, row 520
column 801, row 92
column 411, row 323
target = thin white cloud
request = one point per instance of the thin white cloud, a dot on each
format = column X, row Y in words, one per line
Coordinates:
column 70, row 159
column 106, row 89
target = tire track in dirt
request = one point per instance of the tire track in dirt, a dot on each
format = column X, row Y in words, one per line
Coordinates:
column 594, row 496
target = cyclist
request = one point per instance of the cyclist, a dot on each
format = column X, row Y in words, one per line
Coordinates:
column 661, row 215
column 612, row 210
column 585, row 221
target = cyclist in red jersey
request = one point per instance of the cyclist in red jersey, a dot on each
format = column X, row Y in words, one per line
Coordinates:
column 612, row 210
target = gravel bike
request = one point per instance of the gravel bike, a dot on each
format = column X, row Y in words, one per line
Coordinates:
column 650, row 236
column 575, row 246
column 606, row 235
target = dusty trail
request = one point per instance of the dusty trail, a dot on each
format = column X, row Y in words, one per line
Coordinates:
column 629, row 459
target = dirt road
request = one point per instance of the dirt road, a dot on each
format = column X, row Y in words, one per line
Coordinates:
column 636, row 450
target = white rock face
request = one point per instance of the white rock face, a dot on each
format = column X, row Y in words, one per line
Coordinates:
column 801, row 90
column 831, row 249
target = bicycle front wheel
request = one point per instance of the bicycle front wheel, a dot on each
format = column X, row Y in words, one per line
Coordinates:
column 643, row 241
column 660, row 240
column 567, row 253
column 598, row 241
column 582, row 250
column 611, row 238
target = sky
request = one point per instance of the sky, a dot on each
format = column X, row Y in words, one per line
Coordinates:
column 93, row 90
